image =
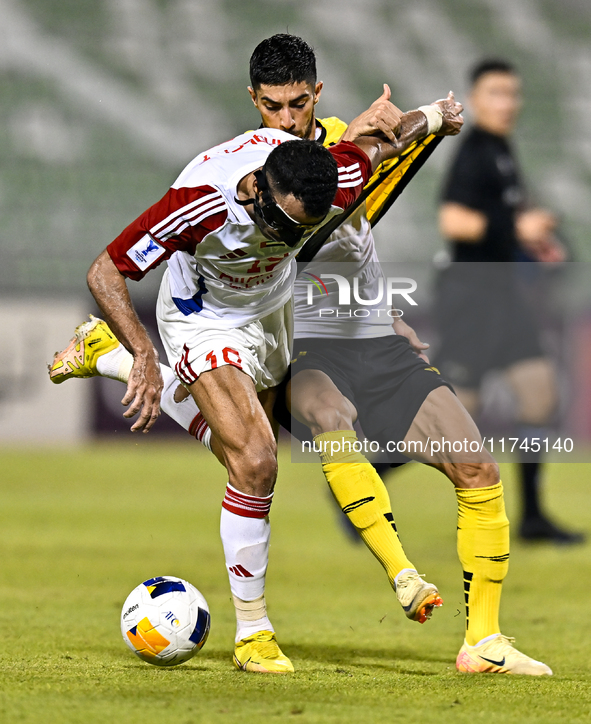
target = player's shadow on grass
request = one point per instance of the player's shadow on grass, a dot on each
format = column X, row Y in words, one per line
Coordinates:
column 187, row 668
column 388, row 659
column 346, row 660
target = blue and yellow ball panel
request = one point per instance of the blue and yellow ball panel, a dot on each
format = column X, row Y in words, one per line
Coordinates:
column 201, row 630
column 146, row 640
column 152, row 581
column 159, row 586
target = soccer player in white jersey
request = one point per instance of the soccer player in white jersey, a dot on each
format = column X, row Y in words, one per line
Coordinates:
column 235, row 217
column 287, row 102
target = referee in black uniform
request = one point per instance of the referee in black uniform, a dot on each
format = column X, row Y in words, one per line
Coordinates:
column 484, row 321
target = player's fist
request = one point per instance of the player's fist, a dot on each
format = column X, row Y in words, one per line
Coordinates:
column 452, row 119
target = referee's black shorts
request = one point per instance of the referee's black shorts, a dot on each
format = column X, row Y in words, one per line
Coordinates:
column 383, row 377
column 484, row 322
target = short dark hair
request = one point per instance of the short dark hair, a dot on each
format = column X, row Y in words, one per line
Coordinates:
column 282, row 59
column 308, row 171
column 491, row 65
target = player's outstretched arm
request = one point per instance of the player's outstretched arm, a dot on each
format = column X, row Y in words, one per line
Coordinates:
column 144, row 386
column 443, row 117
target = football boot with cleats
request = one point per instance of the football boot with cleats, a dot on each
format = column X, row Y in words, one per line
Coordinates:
column 498, row 656
column 261, row 653
column 417, row 597
column 91, row 340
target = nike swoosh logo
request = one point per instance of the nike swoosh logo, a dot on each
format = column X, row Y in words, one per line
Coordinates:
column 242, row 665
column 496, row 663
column 94, row 341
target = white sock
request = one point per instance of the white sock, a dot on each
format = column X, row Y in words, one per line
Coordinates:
column 116, row 364
column 185, row 412
column 245, row 531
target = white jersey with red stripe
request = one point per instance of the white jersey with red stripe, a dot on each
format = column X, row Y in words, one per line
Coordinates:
column 349, row 254
column 221, row 267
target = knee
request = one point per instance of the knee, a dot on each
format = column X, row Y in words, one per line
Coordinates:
column 253, row 469
column 327, row 419
column 537, row 412
column 475, row 475
column 329, row 412
column 536, row 391
column 261, row 474
column 537, row 407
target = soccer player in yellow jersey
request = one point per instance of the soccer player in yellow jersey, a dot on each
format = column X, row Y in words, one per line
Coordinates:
column 285, row 90
column 327, row 401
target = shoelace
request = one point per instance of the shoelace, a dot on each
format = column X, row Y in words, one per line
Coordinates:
column 268, row 649
column 83, row 329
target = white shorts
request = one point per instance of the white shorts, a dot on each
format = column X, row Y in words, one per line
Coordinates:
column 194, row 344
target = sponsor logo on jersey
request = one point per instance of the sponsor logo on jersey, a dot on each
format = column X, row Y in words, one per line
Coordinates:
column 145, row 252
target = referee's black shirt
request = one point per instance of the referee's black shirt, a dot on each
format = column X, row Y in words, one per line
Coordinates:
column 484, row 177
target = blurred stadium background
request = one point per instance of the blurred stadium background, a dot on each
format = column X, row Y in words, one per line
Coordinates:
column 106, row 100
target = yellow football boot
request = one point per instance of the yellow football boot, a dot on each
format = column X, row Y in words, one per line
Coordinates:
column 261, row 653
column 498, row 656
column 91, row 340
column 417, row 597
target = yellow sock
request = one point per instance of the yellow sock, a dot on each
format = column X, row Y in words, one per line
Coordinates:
column 483, row 549
column 363, row 497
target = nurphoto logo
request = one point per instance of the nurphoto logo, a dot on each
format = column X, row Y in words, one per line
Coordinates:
column 368, row 295
column 391, row 286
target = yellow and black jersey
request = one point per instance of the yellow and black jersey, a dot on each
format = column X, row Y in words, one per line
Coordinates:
column 331, row 130
column 391, row 177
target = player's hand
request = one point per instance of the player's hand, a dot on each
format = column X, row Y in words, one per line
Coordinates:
column 548, row 250
column 349, row 246
column 534, row 225
column 452, row 120
column 144, row 388
column 405, row 330
column 535, row 230
column 381, row 117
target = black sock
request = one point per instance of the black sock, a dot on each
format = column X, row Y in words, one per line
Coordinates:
column 530, row 489
column 530, row 469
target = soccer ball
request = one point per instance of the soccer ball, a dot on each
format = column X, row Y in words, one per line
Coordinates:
column 165, row 621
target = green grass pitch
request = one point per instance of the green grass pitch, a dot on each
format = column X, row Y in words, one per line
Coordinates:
column 79, row 529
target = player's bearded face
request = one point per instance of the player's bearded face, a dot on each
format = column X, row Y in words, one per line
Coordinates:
column 288, row 108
